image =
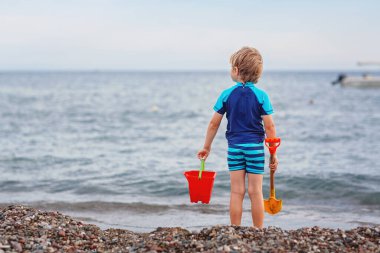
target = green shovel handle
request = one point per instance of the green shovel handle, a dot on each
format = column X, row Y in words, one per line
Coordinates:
column 201, row 169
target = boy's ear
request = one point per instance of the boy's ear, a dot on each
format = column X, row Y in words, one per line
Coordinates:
column 236, row 70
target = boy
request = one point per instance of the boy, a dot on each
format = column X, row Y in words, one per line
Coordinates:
column 247, row 108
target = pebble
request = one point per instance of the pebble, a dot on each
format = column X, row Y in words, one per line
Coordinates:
column 31, row 230
column 17, row 246
column 4, row 246
column 226, row 248
column 61, row 233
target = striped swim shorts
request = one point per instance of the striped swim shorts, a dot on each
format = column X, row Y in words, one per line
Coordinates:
column 247, row 156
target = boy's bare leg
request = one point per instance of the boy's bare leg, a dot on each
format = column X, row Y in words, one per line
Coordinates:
column 255, row 192
column 237, row 196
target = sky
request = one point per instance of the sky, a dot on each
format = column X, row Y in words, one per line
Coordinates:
column 186, row 35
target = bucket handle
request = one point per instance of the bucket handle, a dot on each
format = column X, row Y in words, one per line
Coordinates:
column 201, row 169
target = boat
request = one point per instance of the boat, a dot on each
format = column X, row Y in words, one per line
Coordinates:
column 364, row 81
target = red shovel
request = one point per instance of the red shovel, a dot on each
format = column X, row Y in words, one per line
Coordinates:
column 272, row 205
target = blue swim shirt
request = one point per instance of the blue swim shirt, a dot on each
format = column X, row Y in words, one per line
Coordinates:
column 244, row 105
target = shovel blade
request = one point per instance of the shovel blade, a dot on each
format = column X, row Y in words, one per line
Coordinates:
column 272, row 205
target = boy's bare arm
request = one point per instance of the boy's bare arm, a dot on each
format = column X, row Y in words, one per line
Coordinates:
column 212, row 129
column 270, row 131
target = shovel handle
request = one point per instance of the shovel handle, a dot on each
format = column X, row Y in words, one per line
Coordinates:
column 272, row 144
column 272, row 190
column 201, row 169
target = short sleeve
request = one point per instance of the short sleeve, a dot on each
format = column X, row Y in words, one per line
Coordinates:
column 266, row 105
column 220, row 105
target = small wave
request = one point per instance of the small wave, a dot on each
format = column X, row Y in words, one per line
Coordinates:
column 371, row 199
column 12, row 186
column 95, row 189
column 47, row 161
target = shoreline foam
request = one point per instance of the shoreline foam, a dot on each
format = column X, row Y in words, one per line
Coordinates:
column 25, row 229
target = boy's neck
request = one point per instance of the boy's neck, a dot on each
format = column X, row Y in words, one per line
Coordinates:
column 244, row 82
column 239, row 80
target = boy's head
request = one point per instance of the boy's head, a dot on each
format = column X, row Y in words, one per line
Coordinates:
column 246, row 65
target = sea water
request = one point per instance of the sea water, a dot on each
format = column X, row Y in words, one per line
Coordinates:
column 110, row 148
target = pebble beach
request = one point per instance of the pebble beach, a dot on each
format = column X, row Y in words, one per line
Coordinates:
column 26, row 229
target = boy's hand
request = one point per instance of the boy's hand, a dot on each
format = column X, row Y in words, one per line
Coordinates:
column 203, row 153
column 273, row 163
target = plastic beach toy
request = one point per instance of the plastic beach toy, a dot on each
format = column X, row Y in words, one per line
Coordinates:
column 272, row 205
column 272, row 144
column 200, row 184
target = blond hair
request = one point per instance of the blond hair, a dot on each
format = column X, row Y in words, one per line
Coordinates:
column 249, row 62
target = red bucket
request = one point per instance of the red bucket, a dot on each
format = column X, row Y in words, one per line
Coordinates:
column 200, row 184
